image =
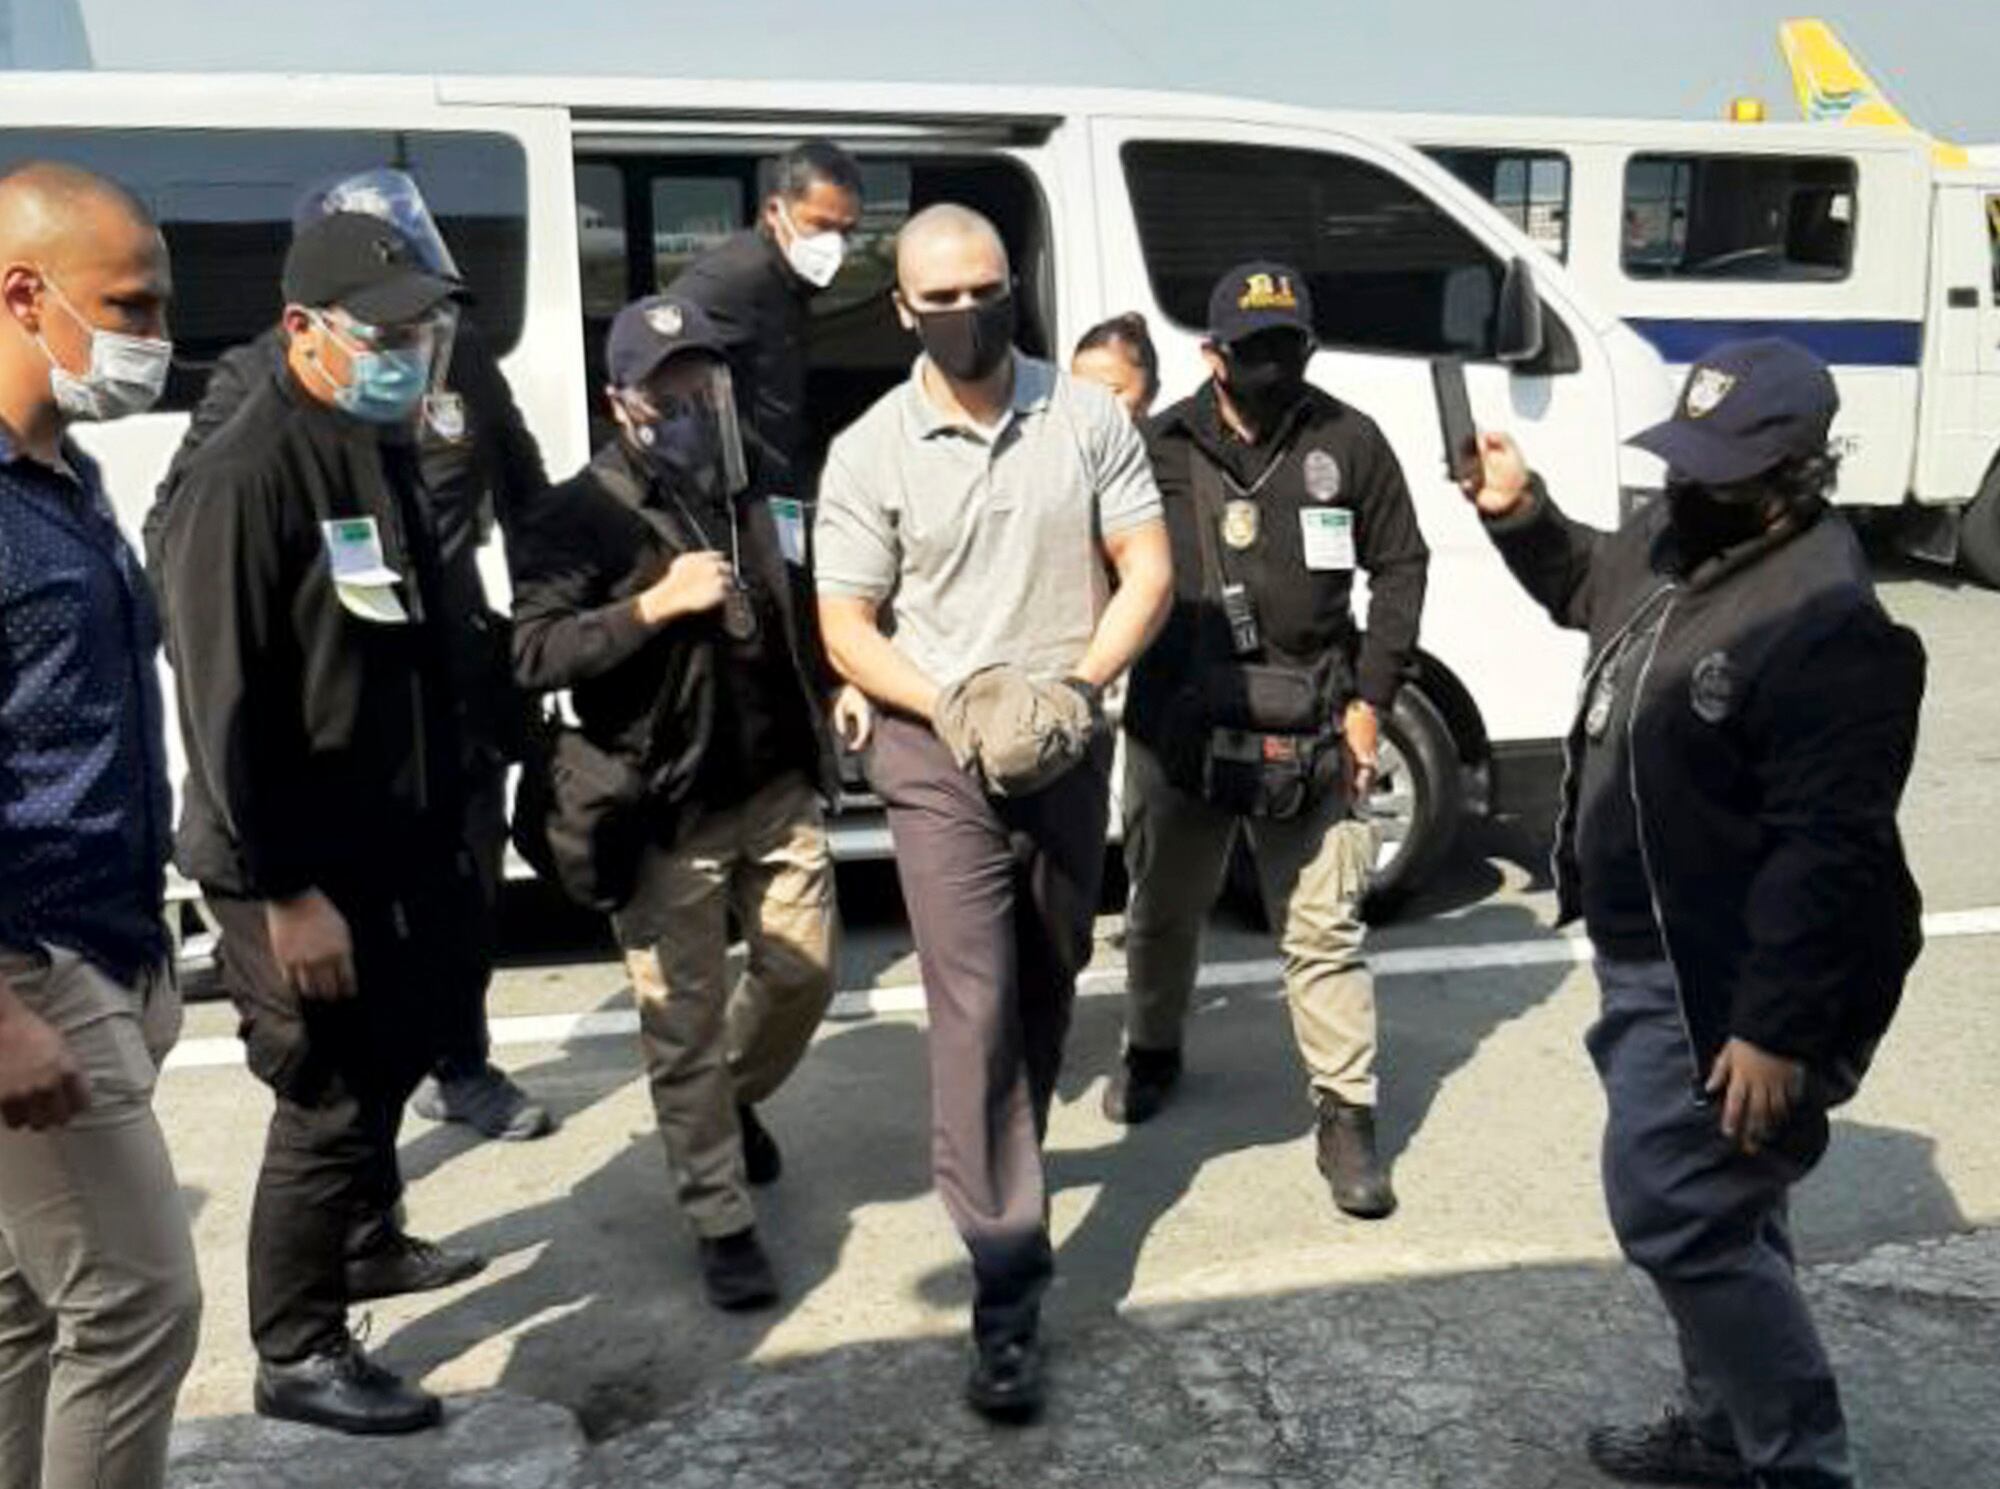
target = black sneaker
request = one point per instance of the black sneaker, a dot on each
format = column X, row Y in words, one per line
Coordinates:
column 391, row 1263
column 1668, row 1451
column 1142, row 1085
column 1006, row 1383
column 737, row 1273
column 343, row 1389
column 488, row 1102
column 1349, row 1162
column 762, row 1162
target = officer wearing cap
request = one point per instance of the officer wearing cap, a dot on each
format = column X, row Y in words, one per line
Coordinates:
column 310, row 634
column 1747, row 723
column 1259, row 705
column 478, row 463
column 654, row 587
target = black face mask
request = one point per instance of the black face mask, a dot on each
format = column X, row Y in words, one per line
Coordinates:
column 968, row 345
column 1265, row 386
column 1706, row 526
column 682, row 448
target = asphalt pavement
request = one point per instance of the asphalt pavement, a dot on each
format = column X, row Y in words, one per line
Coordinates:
column 1215, row 1322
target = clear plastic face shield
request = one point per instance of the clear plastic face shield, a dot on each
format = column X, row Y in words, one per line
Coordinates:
column 393, row 197
column 683, row 420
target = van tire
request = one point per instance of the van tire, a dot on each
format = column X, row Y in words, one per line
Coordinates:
column 1979, row 533
column 1420, row 748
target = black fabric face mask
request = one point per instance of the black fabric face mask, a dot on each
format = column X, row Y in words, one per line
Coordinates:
column 970, row 344
column 1266, row 387
column 1706, row 526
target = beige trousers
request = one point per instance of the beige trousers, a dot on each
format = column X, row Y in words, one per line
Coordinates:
column 1314, row 869
column 99, row 1299
column 712, row 1041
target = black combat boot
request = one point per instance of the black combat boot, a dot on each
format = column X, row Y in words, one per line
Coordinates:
column 737, row 1273
column 762, row 1162
column 1348, row 1159
column 1667, row 1451
column 1142, row 1084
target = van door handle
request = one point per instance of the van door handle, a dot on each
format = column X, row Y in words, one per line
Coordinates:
column 1962, row 297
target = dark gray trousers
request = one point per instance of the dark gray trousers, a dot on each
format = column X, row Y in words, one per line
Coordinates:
column 1707, row 1224
column 1001, row 894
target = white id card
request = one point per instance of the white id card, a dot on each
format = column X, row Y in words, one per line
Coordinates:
column 790, row 515
column 354, row 550
column 1329, row 537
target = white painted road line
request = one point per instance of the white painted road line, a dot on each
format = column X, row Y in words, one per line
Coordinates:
column 1102, row 982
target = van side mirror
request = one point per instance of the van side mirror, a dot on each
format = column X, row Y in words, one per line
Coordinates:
column 1517, row 322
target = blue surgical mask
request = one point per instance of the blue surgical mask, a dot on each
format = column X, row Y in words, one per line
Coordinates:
column 385, row 385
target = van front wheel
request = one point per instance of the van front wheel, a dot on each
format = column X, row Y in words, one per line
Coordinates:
column 1979, row 533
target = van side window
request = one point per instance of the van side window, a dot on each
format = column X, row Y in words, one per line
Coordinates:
column 1530, row 188
column 645, row 217
column 1768, row 218
column 224, row 199
column 1390, row 271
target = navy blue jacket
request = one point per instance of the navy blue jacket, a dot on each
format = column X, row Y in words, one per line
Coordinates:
column 1772, row 735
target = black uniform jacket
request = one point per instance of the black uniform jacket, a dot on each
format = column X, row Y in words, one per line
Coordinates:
column 580, row 560
column 760, row 307
column 1323, row 455
column 1771, row 737
column 479, row 464
column 322, row 745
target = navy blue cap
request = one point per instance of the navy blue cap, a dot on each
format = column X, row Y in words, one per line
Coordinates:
column 1746, row 407
column 1255, row 297
column 649, row 332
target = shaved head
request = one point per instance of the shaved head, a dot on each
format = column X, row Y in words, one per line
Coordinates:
column 50, row 211
column 78, row 255
column 946, row 230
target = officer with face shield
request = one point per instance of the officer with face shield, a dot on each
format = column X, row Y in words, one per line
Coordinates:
column 312, row 635
column 1728, row 837
column 479, row 463
column 1258, row 706
column 655, row 589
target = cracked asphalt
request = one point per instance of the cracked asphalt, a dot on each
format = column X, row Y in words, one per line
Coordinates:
column 1215, row 1323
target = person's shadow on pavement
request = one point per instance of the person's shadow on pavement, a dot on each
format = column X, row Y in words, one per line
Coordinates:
column 609, row 1317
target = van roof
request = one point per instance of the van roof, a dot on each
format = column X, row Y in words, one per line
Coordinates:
column 1027, row 109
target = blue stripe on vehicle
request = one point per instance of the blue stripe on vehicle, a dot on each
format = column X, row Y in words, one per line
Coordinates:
column 1840, row 343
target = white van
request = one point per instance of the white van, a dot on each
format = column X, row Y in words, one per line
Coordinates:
column 1852, row 241
column 563, row 198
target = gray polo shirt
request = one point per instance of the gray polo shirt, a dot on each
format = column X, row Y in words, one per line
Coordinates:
column 987, row 543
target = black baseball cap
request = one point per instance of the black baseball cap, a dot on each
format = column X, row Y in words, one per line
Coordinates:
column 363, row 265
column 1258, row 296
column 650, row 332
column 1746, row 407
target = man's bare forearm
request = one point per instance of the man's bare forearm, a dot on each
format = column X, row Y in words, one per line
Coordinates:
column 871, row 661
column 1137, row 610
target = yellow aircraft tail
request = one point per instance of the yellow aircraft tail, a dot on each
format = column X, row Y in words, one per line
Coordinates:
column 1834, row 89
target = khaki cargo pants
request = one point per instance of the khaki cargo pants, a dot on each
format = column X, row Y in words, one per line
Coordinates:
column 710, row 1041
column 99, row 1300
column 1314, row 868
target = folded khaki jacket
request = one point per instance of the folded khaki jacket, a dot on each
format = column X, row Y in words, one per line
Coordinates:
column 1016, row 734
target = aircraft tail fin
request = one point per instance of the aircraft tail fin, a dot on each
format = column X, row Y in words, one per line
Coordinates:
column 1834, row 88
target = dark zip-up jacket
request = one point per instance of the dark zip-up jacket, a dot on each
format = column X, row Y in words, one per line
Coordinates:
column 322, row 746
column 1324, row 455
column 477, row 469
column 588, row 548
column 761, row 309
column 1771, row 736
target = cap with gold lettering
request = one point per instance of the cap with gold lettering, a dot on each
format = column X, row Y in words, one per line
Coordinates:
column 1256, row 297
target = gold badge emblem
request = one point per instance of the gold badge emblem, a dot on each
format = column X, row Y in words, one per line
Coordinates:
column 1268, row 292
column 1239, row 524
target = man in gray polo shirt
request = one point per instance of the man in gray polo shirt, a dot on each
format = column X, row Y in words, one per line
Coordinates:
column 982, row 500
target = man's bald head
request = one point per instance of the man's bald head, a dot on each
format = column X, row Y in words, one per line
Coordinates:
column 78, row 254
column 49, row 210
column 946, row 230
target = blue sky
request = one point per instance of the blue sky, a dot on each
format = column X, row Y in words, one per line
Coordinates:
column 1681, row 58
